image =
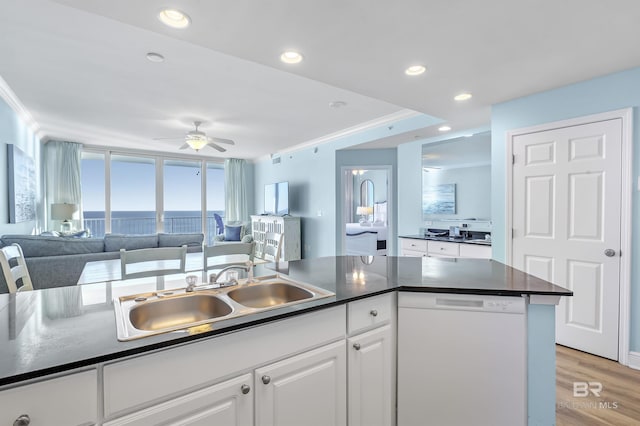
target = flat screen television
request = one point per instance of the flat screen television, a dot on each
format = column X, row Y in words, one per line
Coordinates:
column 276, row 198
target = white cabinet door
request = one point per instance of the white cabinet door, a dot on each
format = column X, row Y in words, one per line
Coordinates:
column 307, row 389
column 67, row 400
column 228, row 403
column 371, row 387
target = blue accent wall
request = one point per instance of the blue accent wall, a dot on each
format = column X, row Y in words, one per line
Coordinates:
column 608, row 93
column 13, row 130
column 312, row 178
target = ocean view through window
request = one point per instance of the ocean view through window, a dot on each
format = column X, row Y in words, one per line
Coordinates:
column 137, row 202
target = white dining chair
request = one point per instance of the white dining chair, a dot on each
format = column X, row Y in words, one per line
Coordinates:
column 271, row 247
column 12, row 254
column 151, row 262
column 222, row 255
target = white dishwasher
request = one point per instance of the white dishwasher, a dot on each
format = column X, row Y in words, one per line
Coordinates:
column 461, row 360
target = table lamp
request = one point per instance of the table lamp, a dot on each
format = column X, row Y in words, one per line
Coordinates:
column 364, row 213
column 63, row 212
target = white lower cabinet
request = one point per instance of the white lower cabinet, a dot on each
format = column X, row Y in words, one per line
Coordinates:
column 229, row 403
column 61, row 401
column 371, row 384
column 307, row 389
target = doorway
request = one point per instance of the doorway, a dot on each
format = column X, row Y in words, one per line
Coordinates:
column 569, row 211
column 367, row 212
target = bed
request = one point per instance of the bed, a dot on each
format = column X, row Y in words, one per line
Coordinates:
column 366, row 240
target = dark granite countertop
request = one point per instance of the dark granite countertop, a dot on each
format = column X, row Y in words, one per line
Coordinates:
column 448, row 239
column 49, row 331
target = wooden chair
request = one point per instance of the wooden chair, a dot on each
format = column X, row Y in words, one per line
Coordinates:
column 159, row 261
column 246, row 252
column 12, row 274
column 271, row 247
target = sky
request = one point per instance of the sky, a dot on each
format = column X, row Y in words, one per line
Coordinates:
column 133, row 185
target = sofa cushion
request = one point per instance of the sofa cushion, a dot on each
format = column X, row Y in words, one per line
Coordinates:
column 246, row 226
column 38, row 246
column 232, row 232
column 115, row 242
column 177, row 240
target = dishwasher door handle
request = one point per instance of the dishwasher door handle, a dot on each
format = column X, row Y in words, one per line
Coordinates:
column 460, row 303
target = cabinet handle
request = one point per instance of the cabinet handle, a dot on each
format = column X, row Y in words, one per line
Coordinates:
column 22, row 420
column 245, row 389
column 356, row 346
column 266, row 380
column 373, row 313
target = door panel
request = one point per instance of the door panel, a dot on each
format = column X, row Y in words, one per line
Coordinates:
column 566, row 213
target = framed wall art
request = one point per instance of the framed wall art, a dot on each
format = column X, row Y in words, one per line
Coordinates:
column 22, row 185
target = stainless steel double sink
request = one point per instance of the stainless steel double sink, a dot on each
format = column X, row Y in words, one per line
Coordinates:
column 146, row 314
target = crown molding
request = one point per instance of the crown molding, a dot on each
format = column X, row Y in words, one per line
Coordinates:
column 14, row 103
column 367, row 125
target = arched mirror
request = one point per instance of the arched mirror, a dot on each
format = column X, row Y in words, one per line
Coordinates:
column 367, row 199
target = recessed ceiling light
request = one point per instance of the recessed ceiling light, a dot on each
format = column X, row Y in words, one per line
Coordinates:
column 337, row 104
column 463, row 97
column 174, row 18
column 291, row 57
column 155, row 57
column 444, row 128
column 415, row 70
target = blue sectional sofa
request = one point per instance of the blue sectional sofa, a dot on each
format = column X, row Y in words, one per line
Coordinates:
column 58, row 261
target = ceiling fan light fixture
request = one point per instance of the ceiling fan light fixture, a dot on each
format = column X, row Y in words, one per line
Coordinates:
column 291, row 57
column 197, row 143
column 174, row 18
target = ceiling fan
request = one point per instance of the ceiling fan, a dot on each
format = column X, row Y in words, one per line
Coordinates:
column 197, row 139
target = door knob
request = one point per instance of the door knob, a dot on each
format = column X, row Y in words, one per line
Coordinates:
column 609, row 252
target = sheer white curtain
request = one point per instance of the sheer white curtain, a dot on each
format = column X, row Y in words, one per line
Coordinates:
column 62, row 174
column 235, row 191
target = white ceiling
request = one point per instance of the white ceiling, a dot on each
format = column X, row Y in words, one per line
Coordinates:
column 81, row 70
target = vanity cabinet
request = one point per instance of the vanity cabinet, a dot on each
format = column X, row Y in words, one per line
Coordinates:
column 227, row 403
column 66, row 400
column 371, row 362
column 309, row 389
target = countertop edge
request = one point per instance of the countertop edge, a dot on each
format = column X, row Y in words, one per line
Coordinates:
column 76, row 365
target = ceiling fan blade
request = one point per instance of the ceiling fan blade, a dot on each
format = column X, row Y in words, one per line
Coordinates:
column 185, row 146
column 217, row 147
column 168, row 139
column 220, row 140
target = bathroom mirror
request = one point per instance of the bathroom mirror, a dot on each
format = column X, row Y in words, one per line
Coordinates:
column 456, row 179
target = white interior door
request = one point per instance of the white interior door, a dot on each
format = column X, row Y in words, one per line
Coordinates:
column 566, row 226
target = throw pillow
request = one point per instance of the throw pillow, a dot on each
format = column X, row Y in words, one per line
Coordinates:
column 232, row 233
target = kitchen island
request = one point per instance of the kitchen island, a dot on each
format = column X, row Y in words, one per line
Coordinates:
column 59, row 331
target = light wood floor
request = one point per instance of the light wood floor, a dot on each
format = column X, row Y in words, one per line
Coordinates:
column 619, row 401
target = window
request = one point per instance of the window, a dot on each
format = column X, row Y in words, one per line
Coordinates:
column 182, row 196
column 215, row 197
column 93, row 202
column 135, row 194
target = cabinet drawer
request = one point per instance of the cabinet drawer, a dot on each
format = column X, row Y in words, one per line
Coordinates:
column 412, row 253
column 444, row 248
column 67, row 400
column 409, row 244
column 478, row 252
column 369, row 312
